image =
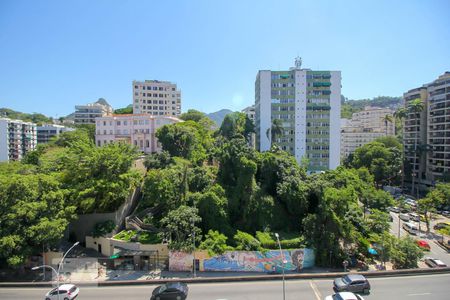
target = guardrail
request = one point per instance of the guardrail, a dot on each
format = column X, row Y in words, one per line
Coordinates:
column 390, row 273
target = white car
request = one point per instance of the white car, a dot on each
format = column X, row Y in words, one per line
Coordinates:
column 66, row 292
column 344, row 296
column 434, row 263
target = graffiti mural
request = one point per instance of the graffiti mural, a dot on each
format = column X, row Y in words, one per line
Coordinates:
column 180, row 261
column 257, row 261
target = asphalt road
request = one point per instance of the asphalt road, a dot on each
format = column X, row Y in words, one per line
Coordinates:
column 436, row 251
column 383, row 288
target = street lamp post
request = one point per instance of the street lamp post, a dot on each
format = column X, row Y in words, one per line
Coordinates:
column 193, row 242
column 282, row 269
column 59, row 266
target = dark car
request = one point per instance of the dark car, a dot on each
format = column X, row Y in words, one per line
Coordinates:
column 352, row 283
column 170, row 291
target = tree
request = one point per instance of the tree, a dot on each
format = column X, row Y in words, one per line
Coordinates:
column 387, row 119
column 179, row 225
column 215, row 243
column 406, row 253
column 329, row 228
column 124, row 111
column 34, row 213
column 212, row 208
column 378, row 221
column 275, row 130
column 192, row 115
column 416, row 107
column 158, row 160
column 185, row 139
column 236, row 124
column 399, row 116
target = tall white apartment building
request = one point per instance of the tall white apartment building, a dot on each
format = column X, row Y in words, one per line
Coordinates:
column 156, row 97
column 16, row 139
column 135, row 129
column 47, row 131
column 364, row 127
column 86, row 114
column 308, row 103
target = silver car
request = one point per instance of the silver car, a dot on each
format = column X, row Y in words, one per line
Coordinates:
column 354, row 283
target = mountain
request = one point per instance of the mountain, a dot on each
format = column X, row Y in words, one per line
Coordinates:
column 348, row 107
column 218, row 116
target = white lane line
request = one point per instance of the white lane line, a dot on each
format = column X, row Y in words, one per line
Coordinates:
column 315, row 290
column 421, row 294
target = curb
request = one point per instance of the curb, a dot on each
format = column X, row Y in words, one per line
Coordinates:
column 440, row 245
column 393, row 273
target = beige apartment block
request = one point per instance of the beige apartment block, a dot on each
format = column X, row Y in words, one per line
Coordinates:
column 154, row 97
column 135, row 129
column 364, row 127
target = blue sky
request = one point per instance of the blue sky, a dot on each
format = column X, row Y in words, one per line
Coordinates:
column 55, row 54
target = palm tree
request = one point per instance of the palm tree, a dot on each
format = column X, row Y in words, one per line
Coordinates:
column 387, row 119
column 275, row 130
column 400, row 114
column 416, row 107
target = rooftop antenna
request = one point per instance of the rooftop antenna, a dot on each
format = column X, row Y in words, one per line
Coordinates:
column 298, row 62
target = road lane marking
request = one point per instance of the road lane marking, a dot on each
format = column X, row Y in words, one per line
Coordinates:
column 315, row 290
column 421, row 294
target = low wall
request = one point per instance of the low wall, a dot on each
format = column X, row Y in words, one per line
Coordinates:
column 244, row 261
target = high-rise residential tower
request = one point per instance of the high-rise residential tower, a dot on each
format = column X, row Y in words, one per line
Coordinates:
column 156, row 98
column 427, row 134
column 307, row 104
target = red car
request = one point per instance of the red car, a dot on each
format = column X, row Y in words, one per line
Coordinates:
column 423, row 245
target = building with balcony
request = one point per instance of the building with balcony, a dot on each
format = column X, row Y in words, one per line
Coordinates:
column 427, row 134
column 158, row 98
column 16, row 139
column 86, row 114
column 47, row 131
column 135, row 129
column 438, row 129
column 308, row 105
column 364, row 127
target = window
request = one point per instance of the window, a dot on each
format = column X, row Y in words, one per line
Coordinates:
column 155, row 95
column 99, row 143
column 141, row 143
column 104, row 131
column 135, row 122
column 160, row 88
column 135, row 142
column 118, row 123
column 155, row 88
column 125, row 122
column 136, row 87
column 104, row 123
column 143, row 94
column 147, row 143
column 149, row 88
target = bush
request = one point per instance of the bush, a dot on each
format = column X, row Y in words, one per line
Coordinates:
column 103, row 228
column 245, row 241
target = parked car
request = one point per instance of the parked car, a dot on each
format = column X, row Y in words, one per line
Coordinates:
column 404, row 217
column 434, row 263
column 446, row 213
column 352, row 283
column 170, row 291
column 344, row 296
column 394, row 209
column 441, row 225
column 66, row 292
column 415, row 217
column 423, row 245
column 411, row 228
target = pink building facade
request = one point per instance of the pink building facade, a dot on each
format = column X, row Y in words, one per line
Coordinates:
column 136, row 129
